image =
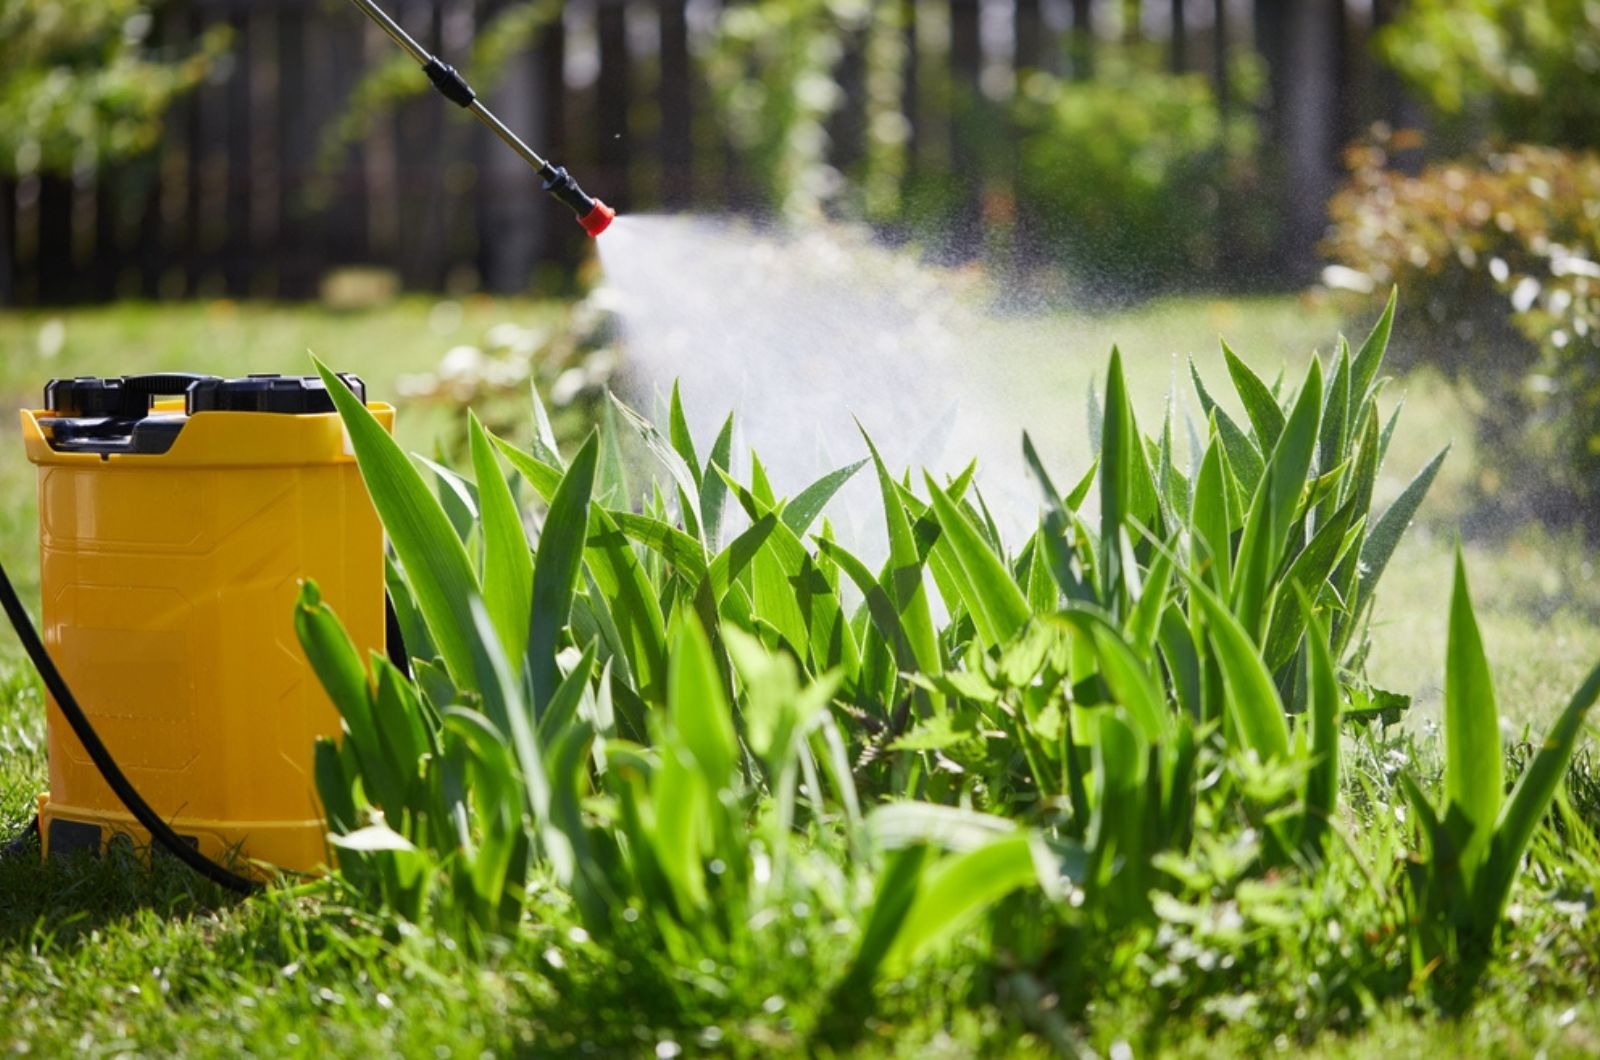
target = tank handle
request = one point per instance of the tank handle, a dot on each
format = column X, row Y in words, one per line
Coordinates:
column 163, row 384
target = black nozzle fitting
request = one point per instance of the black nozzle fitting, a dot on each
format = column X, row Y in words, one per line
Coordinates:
column 449, row 82
column 592, row 214
column 559, row 183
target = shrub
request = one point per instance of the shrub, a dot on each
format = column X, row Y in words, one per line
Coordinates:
column 1535, row 64
column 1498, row 252
column 1123, row 175
column 78, row 86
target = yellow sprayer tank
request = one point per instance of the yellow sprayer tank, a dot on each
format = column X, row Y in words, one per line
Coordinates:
column 174, row 533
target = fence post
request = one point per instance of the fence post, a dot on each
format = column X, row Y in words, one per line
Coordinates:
column 53, row 267
column 1028, row 56
column 613, row 101
column 8, row 241
column 558, row 238
column 676, row 150
column 1180, row 40
column 506, row 188
column 234, row 248
column 1083, row 39
column 1308, row 123
column 966, row 61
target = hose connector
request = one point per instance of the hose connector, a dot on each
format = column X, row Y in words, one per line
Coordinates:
column 594, row 215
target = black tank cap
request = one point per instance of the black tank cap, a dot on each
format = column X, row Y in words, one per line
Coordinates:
column 124, row 398
column 287, row 394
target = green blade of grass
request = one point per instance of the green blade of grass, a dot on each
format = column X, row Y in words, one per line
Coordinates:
column 1335, row 415
column 1248, row 690
column 682, row 440
column 1271, row 518
column 545, row 478
column 1056, row 537
column 667, row 541
column 1213, row 553
column 791, row 592
column 663, row 450
column 1127, row 491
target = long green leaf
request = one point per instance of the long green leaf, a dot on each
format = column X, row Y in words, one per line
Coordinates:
column 1249, row 693
column 1364, row 369
column 902, row 578
column 713, row 493
column 507, row 560
column 1213, row 554
column 1385, row 534
column 682, row 440
column 1259, row 404
column 699, row 705
column 1531, row 798
column 1271, row 518
column 671, row 544
column 555, row 570
column 1473, row 758
column 990, row 593
column 1322, row 686
column 960, row 889
column 434, row 559
column 799, row 513
column 543, row 477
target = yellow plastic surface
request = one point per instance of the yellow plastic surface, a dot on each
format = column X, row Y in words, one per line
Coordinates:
column 169, row 583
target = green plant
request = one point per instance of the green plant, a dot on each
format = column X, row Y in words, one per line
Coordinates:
column 1475, row 841
column 685, row 741
column 1498, row 254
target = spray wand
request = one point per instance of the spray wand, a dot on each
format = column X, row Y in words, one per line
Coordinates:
column 592, row 214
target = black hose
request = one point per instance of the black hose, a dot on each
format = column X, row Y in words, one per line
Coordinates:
column 159, row 830
column 19, row 847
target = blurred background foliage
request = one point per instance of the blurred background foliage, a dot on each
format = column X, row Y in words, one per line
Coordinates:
column 1510, row 69
column 1097, row 151
column 1496, row 251
column 1127, row 174
column 80, row 86
column 1497, row 240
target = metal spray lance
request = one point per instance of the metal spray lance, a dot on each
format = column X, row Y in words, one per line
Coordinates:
column 592, row 214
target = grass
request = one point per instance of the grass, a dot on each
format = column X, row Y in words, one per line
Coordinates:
column 96, row 955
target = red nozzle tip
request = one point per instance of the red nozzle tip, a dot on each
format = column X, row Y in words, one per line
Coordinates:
column 598, row 219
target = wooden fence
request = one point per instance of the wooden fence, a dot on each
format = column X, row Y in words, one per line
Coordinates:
column 237, row 200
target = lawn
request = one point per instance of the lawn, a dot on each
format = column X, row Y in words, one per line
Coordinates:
column 102, row 958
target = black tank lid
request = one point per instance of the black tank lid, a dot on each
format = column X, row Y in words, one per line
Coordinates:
column 125, row 398
column 286, row 394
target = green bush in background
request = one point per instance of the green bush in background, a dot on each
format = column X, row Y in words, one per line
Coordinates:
column 1529, row 70
column 1498, row 252
column 1124, row 175
column 80, row 85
